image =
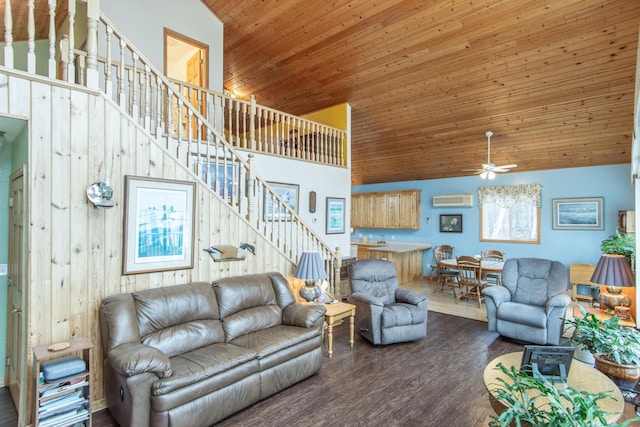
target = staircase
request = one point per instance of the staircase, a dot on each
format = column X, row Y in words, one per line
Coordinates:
column 203, row 137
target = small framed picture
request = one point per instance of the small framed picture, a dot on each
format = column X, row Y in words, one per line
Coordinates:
column 451, row 223
column 335, row 215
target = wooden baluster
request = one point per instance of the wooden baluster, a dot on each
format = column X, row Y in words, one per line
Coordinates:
column 52, row 39
column 135, row 81
column 71, row 66
column 159, row 124
column 121, row 94
column 8, row 35
column 147, row 97
column 179, row 124
column 81, row 65
column 169, row 113
column 252, row 123
column 64, row 57
column 243, row 115
column 93, row 15
column 31, row 37
column 108, row 84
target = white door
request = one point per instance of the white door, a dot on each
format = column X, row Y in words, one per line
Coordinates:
column 16, row 301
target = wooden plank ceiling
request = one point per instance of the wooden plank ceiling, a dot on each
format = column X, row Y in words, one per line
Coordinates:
column 554, row 81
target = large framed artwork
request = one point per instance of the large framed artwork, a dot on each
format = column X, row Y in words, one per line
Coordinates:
column 158, row 225
column 288, row 193
column 451, row 223
column 335, row 215
column 578, row 214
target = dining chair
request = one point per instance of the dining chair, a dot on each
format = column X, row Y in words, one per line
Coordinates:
column 470, row 278
column 447, row 277
column 493, row 255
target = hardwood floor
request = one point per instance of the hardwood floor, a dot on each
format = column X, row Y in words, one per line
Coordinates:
column 436, row 381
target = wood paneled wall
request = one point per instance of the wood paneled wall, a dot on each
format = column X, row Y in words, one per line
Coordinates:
column 75, row 250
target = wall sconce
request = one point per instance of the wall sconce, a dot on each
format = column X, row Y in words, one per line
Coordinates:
column 100, row 194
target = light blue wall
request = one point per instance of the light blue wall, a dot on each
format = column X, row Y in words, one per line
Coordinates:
column 568, row 246
column 12, row 156
column 5, row 174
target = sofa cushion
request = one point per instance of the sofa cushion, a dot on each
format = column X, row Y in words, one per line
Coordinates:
column 239, row 293
column 402, row 314
column 201, row 364
column 251, row 320
column 268, row 341
column 178, row 318
column 247, row 304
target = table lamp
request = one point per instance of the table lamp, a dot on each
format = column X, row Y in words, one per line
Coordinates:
column 614, row 272
column 310, row 268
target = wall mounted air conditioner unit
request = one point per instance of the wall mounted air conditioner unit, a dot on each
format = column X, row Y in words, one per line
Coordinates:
column 453, row 200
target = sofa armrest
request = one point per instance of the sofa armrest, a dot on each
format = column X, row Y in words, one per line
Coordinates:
column 561, row 300
column 366, row 298
column 303, row 315
column 498, row 294
column 409, row 297
column 130, row 359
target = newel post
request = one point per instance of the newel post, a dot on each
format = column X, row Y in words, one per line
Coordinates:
column 93, row 16
column 337, row 266
column 8, row 35
column 251, row 186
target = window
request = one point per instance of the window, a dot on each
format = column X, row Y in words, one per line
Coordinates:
column 510, row 213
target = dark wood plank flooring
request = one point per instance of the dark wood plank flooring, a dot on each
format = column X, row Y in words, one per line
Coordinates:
column 433, row 382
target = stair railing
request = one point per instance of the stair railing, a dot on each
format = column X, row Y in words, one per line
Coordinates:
column 250, row 126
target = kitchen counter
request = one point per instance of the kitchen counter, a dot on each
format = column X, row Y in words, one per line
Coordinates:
column 399, row 247
column 406, row 256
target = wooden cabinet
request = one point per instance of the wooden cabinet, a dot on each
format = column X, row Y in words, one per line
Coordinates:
column 66, row 401
column 389, row 209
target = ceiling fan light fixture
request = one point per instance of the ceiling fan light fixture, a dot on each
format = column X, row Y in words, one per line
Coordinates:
column 491, row 175
column 484, row 174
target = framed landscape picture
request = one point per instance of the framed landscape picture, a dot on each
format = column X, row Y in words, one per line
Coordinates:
column 158, row 225
column 288, row 193
column 578, row 214
column 335, row 215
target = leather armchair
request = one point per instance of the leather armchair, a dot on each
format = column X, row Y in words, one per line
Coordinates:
column 385, row 313
column 531, row 304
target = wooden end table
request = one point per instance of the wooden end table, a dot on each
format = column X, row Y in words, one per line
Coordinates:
column 602, row 315
column 335, row 312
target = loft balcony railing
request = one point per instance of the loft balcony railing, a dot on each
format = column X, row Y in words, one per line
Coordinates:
column 203, row 138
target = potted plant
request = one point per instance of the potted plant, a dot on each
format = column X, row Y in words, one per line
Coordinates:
column 539, row 402
column 616, row 349
column 620, row 244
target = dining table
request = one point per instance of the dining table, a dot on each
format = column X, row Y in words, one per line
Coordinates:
column 487, row 266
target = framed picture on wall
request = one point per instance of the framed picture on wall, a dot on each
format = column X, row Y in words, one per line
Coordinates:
column 335, row 215
column 158, row 225
column 451, row 223
column 273, row 208
column 578, row 213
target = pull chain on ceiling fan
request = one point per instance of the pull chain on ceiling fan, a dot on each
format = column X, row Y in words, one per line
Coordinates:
column 489, row 169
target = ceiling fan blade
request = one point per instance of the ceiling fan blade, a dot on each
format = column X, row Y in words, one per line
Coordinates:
column 507, row 166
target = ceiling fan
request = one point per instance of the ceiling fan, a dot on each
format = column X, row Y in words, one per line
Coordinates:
column 489, row 169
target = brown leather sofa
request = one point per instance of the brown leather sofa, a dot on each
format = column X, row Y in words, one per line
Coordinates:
column 191, row 355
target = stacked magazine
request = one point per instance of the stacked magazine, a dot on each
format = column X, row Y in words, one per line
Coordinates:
column 63, row 403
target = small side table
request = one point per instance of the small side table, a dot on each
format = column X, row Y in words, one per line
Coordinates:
column 335, row 312
column 602, row 315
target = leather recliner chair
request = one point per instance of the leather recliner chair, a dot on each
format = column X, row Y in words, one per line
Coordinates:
column 532, row 301
column 385, row 313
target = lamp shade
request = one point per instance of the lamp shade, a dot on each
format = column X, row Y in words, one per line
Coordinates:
column 310, row 267
column 613, row 270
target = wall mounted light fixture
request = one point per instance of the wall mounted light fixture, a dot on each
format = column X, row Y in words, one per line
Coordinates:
column 100, row 194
